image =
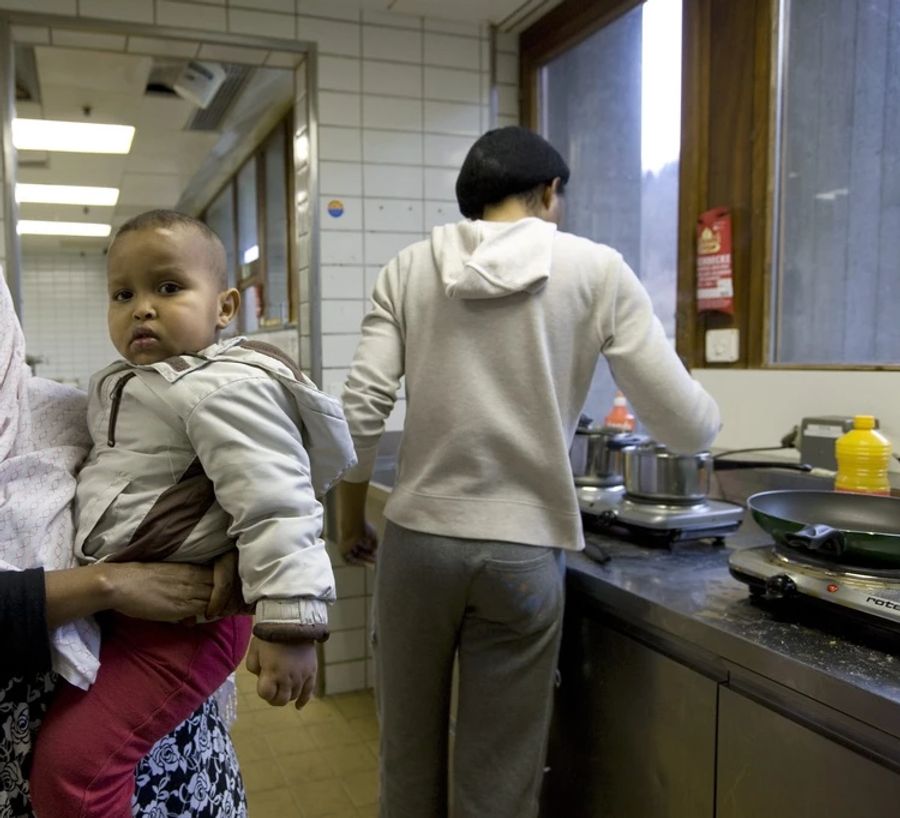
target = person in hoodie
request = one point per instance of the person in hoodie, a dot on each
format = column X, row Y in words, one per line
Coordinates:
column 496, row 323
column 199, row 445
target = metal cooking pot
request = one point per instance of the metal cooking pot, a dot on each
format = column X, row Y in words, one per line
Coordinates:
column 655, row 474
column 855, row 529
column 596, row 456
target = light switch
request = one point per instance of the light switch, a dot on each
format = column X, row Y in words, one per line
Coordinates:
column 723, row 346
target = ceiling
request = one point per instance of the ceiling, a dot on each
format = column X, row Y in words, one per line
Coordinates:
column 104, row 86
column 508, row 15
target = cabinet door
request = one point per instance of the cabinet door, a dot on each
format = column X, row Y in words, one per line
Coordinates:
column 634, row 733
column 772, row 767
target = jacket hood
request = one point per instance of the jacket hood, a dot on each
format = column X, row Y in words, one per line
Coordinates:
column 479, row 259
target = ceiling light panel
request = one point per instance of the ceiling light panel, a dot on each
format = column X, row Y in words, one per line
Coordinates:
column 26, row 227
column 67, row 194
column 72, row 137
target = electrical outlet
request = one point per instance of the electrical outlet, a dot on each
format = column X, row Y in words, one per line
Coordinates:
column 723, row 346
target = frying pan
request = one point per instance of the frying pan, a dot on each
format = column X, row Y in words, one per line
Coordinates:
column 857, row 529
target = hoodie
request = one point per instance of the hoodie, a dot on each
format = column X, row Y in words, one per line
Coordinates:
column 497, row 328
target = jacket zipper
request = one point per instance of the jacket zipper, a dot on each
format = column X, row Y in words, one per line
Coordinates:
column 114, row 409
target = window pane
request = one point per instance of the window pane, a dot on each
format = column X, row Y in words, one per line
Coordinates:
column 248, row 236
column 220, row 218
column 837, row 288
column 611, row 106
column 277, row 294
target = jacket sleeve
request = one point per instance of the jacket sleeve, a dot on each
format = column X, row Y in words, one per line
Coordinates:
column 675, row 408
column 371, row 388
column 23, row 623
column 247, row 435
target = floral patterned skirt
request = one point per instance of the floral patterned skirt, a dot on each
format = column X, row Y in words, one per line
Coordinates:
column 191, row 773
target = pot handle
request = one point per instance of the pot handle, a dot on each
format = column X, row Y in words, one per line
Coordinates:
column 625, row 441
column 731, row 465
column 821, row 538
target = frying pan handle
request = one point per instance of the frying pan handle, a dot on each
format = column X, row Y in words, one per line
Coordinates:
column 731, row 465
column 821, row 538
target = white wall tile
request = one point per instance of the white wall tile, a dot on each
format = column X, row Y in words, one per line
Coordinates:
column 333, row 383
column 452, row 85
column 396, row 147
column 508, row 41
column 345, row 677
column 503, row 120
column 158, row 46
column 393, row 215
column 452, row 51
column 440, row 184
column 134, row 11
column 397, row 79
column 507, row 100
column 68, row 7
column 446, row 151
column 392, row 19
column 441, row 213
column 349, row 219
column 507, row 68
column 88, row 39
column 393, row 180
column 284, row 6
column 341, row 178
column 453, row 27
column 327, row 8
column 349, row 581
column 340, row 143
column 343, row 282
column 382, row 247
column 393, row 113
column 333, row 37
column 233, row 53
column 190, row 15
column 338, row 351
column 342, row 317
column 341, row 248
column 39, row 34
column 261, row 23
column 452, row 118
column 345, row 646
column 337, row 108
column 339, row 73
column 395, row 44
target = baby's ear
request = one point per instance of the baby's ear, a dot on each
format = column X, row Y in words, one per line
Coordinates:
column 229, row 303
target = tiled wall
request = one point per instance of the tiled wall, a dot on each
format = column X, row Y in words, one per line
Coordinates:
column 400, row 100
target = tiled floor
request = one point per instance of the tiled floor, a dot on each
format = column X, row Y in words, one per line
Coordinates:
column 319, row 762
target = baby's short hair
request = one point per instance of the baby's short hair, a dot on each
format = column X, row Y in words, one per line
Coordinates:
column 172, row 218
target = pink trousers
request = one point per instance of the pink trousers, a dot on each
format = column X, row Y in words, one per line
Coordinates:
column 152, row 676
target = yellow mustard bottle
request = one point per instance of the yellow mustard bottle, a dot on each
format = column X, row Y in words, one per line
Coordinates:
column 863, row 455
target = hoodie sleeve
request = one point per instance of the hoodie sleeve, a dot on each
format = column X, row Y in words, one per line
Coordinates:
column 371, row 388
column 675, row 408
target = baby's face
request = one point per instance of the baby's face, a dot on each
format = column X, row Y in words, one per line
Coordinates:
column 164, row 296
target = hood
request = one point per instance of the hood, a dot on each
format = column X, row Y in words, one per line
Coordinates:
column 480, row 259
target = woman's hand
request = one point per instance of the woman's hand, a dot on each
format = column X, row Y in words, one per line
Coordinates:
column 161, row 591
column 226, row 598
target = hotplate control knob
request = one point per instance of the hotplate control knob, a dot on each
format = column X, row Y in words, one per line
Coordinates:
column 780, row 586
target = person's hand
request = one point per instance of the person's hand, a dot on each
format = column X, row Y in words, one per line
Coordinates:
column 287, row 672
column 359, row 547
column 226, row 598
column 161, row 591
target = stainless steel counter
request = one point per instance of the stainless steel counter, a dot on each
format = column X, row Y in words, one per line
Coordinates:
column 688, row 600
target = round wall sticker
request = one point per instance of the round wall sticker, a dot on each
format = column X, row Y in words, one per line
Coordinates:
column 336, row 208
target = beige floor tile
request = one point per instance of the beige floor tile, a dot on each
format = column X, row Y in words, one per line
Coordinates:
column 373, row 746
column 362, row 787
column 278, row 803
column 332, row 734
column 305, row 767
column 272, row 718
column 294, row 739
column 250, row 745
column 322, row 798
column 350, row 758
column 262, row 775
column 354, row 705
column 366, row 728
column 318, row 711
column 246, row 682
column 369, row 811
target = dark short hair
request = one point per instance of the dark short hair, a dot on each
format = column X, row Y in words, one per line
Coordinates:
column 505, row 162
column 152, row 219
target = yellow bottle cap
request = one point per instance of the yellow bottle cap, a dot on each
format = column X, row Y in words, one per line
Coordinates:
column 864, row 422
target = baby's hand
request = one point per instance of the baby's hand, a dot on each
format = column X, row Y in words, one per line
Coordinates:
column 287, row 672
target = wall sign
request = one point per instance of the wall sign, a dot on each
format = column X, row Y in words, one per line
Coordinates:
column 336, row 208
column 715, row 286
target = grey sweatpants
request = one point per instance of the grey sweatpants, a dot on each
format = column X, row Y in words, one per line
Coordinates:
column 499, row 605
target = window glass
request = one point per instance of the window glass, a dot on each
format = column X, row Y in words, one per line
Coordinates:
column 276, row 228
column 220, row 218
column 611, row 106
column 247, row 205
column 837, row 229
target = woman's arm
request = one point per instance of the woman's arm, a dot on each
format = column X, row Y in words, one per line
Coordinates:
column 166, row 592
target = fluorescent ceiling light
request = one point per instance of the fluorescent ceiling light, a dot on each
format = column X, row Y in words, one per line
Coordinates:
column 25, row 227
column 75, row 137
column 67, row 194
column 251, row 254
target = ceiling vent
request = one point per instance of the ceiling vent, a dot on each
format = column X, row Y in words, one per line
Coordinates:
column 210, row 118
